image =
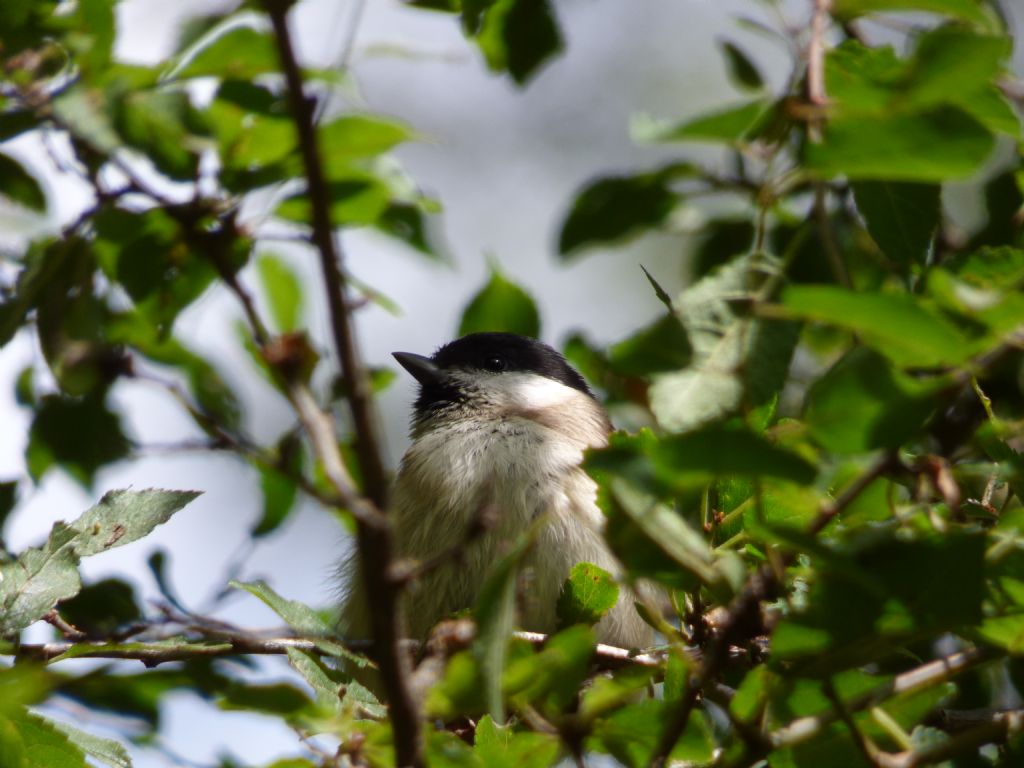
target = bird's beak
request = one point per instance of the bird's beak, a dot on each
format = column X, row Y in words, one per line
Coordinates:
column 422, row 368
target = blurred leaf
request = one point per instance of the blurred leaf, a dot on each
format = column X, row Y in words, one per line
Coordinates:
column 501, row 306
column 8, row 500
column 901, row 218
column 495, row 616
column 283, row 290
column 967, row 10
column 100, row 609
column 586, row 596
column 19, row 186
column 732, row 125
column 617, row 207
column 79, row 435
column 897, row 325
column 551, row 678
column 408, row 223
column 883, row 592
column 279, row 493
column 278, row 699
column 350, row 137
column 501, row 746
column 518, row 36
column 862, row 404
column 359, row 200
column 84, row 111
column 737, row 358
column 96, row 19
column 660, row 292
column 106, row 751
column 239, row 52
column 936, row 145
column 632, row 733
column 742, row 70
column 155, row 122
column 660, row 347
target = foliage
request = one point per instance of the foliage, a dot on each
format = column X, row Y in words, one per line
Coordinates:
column 828, row 487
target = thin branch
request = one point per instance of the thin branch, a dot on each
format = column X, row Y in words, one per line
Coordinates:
column 373, row 534
column 816, row 94
column 346, row 346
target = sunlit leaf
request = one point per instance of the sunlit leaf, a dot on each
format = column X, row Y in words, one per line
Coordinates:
column 501, row 305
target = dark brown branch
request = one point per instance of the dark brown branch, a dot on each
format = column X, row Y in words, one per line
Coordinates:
column 359, row 388
column 373, row 535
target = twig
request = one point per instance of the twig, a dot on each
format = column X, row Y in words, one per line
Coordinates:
column 816, row 94
column 373, row 534
column 830, row 511
column 359, row 396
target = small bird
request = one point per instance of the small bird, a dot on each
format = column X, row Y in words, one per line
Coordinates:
column 498, row 434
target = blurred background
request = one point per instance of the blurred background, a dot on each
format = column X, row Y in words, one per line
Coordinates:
column 504, row 162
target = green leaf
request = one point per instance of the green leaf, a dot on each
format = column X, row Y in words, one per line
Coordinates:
column 155, row 122
column 356, row 201
column 501, row 746
column 296, row 615
column 279, row 494
column 501, row 306
column 632, row 733
column 615, row 208
column 40, row 743
column 122, row 517
column 901, row 218
column 587, row 595
column 737, row 358
column 897, row 325
column 660, row 347
column 280, row 699
column 100, row 609
column 518, row 37
column 352, row 137
column 551, row 678
column 106, row 751
column 19, row 186
column 653, row 540
column 742, row 70
column 283, row 291
column 862, row 404
column 80, row 435
column 239, row 52
column 84, row 111
column 34, row 583
column 936, row 145
column 495, row 616
column 8, row 500
column 732, row 125
column 966, row 10
column 881, row 593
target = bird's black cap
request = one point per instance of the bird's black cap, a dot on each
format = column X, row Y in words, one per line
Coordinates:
column 494, row 352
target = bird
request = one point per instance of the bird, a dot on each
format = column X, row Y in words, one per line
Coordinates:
column 498, row 430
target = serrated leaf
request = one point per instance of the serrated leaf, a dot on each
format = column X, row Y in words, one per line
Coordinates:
column 122, row 517
column 106, row 751
column 737, row 358
column 33, row 584
column 587, row 595
column 20, row 186
column 501, row 305
column 44, row 746
column 501, row 746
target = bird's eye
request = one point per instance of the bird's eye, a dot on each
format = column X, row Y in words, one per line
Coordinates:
column 494, row 364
